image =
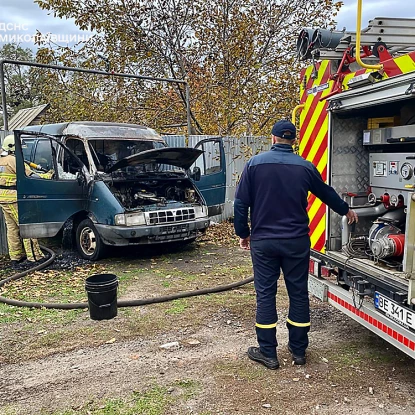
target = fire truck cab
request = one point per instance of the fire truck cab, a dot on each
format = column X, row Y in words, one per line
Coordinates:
column 357, row 125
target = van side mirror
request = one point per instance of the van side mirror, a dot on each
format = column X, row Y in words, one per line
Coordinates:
column 195, row 174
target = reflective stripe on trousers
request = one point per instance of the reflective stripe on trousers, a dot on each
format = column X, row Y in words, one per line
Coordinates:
column 8, row 195
column 269, row 257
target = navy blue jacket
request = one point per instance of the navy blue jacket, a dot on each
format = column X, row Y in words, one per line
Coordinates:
column 275, row 186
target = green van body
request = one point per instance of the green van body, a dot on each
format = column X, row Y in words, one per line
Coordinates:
column 118, row 184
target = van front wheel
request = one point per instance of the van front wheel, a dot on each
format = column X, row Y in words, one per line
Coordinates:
column 88, row 241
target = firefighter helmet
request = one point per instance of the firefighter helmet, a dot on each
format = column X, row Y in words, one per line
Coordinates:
column 8, row 143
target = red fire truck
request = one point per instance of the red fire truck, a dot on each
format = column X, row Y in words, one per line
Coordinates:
column 357, row 126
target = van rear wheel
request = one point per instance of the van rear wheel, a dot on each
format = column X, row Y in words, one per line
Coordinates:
column 88, row 241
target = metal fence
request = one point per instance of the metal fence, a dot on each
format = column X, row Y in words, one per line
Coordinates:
column 237, row 152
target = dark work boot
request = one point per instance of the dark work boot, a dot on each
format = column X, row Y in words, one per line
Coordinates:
column 17, row 264
column 14, row 264
column 297, row 360
column 254, row 353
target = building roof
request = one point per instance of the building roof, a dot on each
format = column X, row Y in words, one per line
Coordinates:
column 26, row 116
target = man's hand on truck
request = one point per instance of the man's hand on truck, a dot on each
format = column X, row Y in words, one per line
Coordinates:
column 352, row 216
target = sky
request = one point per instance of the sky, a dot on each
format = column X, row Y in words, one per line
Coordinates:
column 371, row 9
column 22, row 18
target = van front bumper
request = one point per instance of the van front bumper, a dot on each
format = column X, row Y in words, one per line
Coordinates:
column 143, row 235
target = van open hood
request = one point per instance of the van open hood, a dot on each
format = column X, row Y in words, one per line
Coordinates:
column 174, row 156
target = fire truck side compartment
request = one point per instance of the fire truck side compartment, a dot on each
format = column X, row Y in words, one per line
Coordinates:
column 360, row 164
column 348, row 168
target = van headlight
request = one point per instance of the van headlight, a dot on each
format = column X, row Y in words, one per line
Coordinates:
column 200, row 212
column 130, row 219
column 119, row 219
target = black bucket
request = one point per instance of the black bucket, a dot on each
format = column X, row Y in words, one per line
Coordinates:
column 102, row 296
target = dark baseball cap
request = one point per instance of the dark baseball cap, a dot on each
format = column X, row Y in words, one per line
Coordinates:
column 284, row 129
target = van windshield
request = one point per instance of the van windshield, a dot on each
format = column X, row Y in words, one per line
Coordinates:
column 108, row 152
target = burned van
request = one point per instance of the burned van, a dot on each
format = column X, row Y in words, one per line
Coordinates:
column 119, row 184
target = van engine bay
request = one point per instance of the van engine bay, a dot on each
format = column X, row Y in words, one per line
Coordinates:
column 134, row 194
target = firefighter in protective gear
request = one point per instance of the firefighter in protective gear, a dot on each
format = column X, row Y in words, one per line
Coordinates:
column 18, row 249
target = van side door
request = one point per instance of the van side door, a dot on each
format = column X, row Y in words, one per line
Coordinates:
column 45, row 204
column 212, row 183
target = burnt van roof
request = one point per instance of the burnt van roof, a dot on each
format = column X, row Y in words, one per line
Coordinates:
column 97, row 130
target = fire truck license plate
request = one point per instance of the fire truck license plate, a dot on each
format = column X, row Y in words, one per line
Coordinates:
column 395, row 312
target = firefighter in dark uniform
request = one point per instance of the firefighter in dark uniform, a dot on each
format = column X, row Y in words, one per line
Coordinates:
column 274, row 186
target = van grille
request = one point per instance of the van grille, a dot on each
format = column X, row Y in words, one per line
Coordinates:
column 169, row 216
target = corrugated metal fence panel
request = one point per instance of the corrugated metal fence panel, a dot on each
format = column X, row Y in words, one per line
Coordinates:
column 3, row 239
column 238, row 150
column 175, row 140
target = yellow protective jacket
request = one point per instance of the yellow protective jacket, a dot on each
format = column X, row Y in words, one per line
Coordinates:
column 8, row 192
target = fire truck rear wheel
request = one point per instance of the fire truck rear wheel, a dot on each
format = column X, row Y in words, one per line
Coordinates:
column 88, row 241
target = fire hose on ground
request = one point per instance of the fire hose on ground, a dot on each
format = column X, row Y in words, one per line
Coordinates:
column 120, row 303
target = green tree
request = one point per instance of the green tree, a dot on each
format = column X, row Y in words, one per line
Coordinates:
column 238, row 57
column 21, row 82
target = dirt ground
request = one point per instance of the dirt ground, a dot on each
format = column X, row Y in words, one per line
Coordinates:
column 62, row 362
